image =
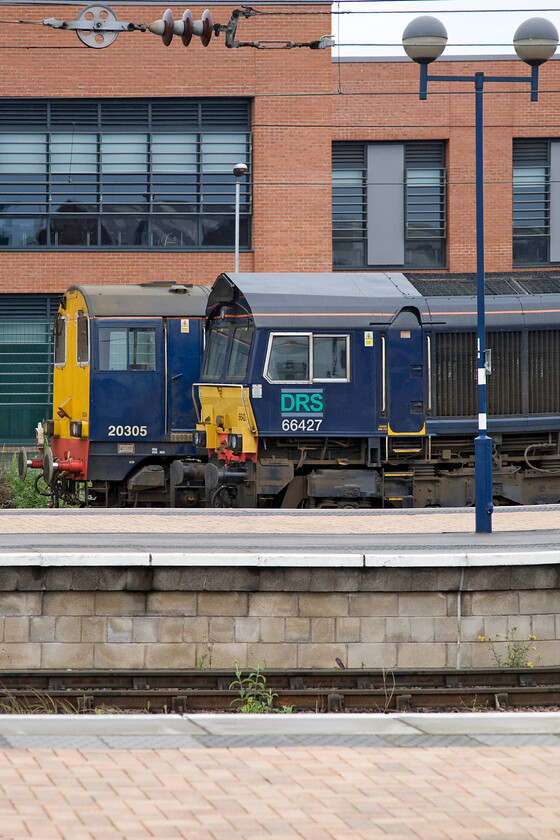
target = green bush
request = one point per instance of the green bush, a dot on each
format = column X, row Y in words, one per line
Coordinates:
column 15, row 493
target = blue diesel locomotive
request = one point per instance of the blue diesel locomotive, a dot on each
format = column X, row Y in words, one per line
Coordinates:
column 125, row 358
column 356, row 390
column 313, row 390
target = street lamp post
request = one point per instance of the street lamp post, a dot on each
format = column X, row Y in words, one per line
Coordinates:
column 535, row 41
column 238, row 170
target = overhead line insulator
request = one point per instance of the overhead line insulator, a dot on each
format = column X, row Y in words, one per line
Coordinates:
column 167, row 27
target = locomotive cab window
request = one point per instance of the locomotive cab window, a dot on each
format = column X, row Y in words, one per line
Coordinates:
column 330, row 357
column 60, row 341
column 239, row 353
column 82, row 339
column 127, row 349
column 304, row 357
column 216, row 350
column 142, row 349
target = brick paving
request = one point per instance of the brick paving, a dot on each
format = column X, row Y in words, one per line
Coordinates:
column 272, row 793
column 435, row 521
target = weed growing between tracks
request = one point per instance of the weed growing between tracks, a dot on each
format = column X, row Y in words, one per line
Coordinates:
column 517, row 652
column 38, row 703
column 254, row 697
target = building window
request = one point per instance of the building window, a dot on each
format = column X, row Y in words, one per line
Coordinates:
column 123, row 174
column 532, row 202
column 349, row 205
column 389, row 205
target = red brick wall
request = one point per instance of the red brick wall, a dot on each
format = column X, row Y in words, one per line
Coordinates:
column 297, row 113
column 291, row 158
column 380, row 102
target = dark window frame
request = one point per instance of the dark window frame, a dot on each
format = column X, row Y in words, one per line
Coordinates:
column 60, row 341
column 82, row 339
column 531, row 222
column 350, row 210
column 165, row 197
column 218, row 362
column 238, row 363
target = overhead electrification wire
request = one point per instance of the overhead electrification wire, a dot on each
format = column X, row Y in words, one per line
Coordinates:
column 399, row 44
column 363, row 184
column 298, row 13
column 378, row 125
column 440, row 11
column 414, row 93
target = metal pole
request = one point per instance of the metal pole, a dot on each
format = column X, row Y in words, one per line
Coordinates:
column 482, row 444
column 237, row 201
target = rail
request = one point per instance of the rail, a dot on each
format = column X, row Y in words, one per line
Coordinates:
column 304, row 690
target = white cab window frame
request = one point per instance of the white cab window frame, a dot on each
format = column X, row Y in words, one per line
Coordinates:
column 310, row 337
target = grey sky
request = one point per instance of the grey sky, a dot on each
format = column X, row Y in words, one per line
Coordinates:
column 481, row 28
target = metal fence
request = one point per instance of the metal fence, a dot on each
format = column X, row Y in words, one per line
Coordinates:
column 26, row 365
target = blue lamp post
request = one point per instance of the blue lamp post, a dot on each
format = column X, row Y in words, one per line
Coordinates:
column 535, row 41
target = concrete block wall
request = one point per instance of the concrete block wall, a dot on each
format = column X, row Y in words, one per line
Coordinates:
column 162, row 618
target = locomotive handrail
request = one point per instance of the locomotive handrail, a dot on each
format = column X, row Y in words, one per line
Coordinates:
column 195, row 403
column 383, row 376
column 429, row 366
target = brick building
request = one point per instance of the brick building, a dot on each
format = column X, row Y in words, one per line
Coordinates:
column 116, row 167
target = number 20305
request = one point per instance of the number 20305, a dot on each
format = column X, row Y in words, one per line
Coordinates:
column 127, row 431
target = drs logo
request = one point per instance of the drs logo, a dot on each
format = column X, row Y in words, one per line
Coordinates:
column 304, row 409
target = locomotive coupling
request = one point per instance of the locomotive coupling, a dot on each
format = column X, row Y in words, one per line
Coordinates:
column 181, row 473
column 73, row 466
column 215, row 476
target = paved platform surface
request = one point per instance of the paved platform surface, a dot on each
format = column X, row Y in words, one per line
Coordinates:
column 234, row 777
column 520, row 532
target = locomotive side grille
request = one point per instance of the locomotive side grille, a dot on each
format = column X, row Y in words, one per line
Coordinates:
column 455, row 375
column 504, row 383
column 544, row 364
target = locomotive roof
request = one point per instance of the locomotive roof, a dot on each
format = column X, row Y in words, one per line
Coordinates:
column 360, row 300
column 144, row 299
column 325, row 299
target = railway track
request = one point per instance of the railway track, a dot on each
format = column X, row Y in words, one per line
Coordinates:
column 304, row 690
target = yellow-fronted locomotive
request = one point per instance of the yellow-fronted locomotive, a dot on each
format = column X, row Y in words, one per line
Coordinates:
column 121, row 409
